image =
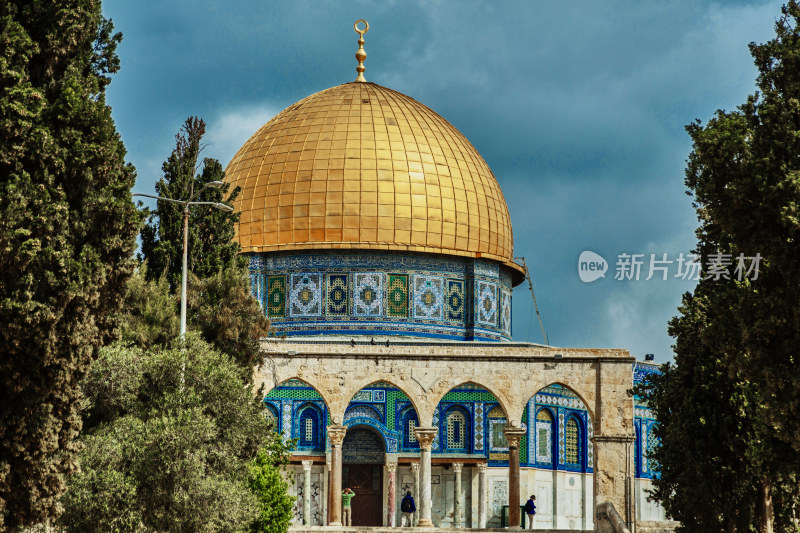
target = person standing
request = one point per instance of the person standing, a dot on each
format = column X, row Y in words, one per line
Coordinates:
column 530, row 510
column 347, row 511
column 407, row 507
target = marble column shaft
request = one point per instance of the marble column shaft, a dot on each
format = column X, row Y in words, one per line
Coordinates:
column 425, row 438
column 513, row 436
column 336, row 437
column 482, row 493
column 307, row 493
column 457, row 503
column 391, row 468
column 415, row 471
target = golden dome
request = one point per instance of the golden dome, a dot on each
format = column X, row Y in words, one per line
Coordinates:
column 360, row 166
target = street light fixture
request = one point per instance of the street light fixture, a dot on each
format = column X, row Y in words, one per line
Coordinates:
column 186, row 204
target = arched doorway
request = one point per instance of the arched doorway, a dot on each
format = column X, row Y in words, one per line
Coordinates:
column 363, row 452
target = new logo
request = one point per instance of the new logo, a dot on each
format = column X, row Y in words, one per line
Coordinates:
column 591, row 266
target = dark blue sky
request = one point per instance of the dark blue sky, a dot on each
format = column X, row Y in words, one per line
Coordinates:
column 578, row 107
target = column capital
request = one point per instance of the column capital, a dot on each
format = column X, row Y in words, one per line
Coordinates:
column 307, row 466
column 336, row 434
column 513, row 436
column 391, row 467
column 482, row 468
column 457, row 467
column 415, row 467
column 425, row 436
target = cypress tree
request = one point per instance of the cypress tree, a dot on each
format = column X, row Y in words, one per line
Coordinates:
column 67, row 234
column 210, row 247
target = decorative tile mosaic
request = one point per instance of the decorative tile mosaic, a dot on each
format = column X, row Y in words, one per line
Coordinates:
column 338, row 295
column 257, row 287
column 548, row 399
column 561, row 436
column 368, row 294
column 544, row 442
column 499, row 497
column 498, row 441
column 287, row 422
column 378, row 395
column 397, row 295
column 486, row 303
column 276, row 296
column 362, row 396
column 435, row 444
column 454, row 300
column 478, row 427
column 456, row 430
column 589, row 445
column 362, row 411
column 505, row 311
column 316, row 515
column 305, row 296
column 490, row 270
column 428, row 297
column 571, row 444
column 652, row 444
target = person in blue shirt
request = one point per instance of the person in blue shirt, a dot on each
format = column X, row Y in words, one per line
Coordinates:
column 530, row 510
column 408, row 508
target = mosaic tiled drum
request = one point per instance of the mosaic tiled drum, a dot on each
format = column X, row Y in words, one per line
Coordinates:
column 360, row 167
column 374, row 293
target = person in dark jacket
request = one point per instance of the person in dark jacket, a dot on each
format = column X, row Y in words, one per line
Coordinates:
column 530, row 510
column 407, row 507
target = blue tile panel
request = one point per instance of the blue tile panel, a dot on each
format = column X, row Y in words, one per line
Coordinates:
column 375, row 293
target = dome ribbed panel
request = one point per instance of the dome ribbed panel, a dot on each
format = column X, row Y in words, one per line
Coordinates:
column 359, row 166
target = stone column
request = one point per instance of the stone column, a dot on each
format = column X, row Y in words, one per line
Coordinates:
column 457, row 503
column 336, row 437
column 513, row 436
column 425, row 438
column 328, row 485
column 613, row 475
column 391, row 468
column 415, row 471
column 482, row 492
column 307, row 493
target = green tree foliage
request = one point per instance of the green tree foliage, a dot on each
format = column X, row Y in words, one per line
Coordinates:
column 225, row 313
column 211, row 246
column 67, row 233
column 717, row 453
column 220, row 307
column 729, row 406
column 744, row 172
column 166, row 454
column 151, row 314
column 270, row 488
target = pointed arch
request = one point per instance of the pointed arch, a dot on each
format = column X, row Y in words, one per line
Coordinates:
column 456, row 430
column 407, row 422
column 476, row 385
column 288, row 401
column 574, row 438
column 551, row 444
column 397, row 397
column 309, row 429
column 543, row 437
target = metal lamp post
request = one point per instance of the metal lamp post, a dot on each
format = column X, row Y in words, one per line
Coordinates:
column 186, row 204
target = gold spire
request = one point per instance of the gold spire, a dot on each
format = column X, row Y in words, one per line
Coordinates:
column 361, row 55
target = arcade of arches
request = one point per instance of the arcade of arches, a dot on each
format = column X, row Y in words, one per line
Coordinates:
column 466, row 428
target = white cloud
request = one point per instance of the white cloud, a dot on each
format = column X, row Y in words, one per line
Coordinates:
column 229, row 130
